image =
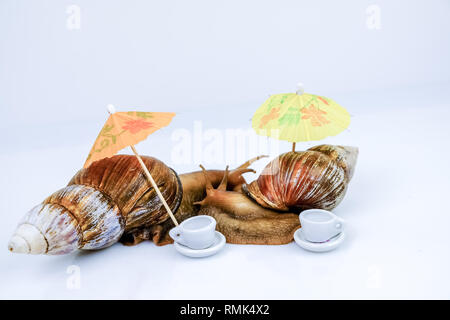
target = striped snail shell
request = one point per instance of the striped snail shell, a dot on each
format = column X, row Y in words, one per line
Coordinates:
column 100, row 204
column 316, row 178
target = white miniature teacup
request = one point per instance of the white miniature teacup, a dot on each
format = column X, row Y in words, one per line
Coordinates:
column 320, row 225
column 196, row 232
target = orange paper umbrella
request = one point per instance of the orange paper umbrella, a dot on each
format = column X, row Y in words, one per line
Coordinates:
column 125, row 129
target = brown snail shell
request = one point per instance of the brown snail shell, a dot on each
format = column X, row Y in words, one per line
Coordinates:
column 101, row 203
column 316, row 178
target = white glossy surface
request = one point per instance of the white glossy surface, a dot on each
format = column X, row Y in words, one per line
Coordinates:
column 333, row 243
column 218, row 244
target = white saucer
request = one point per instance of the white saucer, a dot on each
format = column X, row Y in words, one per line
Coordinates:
column 329, row 245
column 218, row 244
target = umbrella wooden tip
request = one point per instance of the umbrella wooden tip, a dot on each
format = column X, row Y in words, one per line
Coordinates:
column 111, row 109
column 300, row 88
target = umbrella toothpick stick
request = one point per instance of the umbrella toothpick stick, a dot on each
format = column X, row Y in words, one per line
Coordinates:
column 293, row 146
column 150, row 178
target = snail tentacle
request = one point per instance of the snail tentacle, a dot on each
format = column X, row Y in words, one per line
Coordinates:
column 223, row 183
column 249, row 162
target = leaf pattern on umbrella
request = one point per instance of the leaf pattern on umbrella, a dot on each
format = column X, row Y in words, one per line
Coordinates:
column 290, row 118
column 273, row 114
column 134, row 126
column 323, row 100
column 143, row 115
column 315, row 115
column 108, row 138
column 275, row 100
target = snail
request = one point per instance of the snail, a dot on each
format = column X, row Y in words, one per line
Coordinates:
column 112, row 201
column 100, row 204
column 316, row 178
column 257, row 213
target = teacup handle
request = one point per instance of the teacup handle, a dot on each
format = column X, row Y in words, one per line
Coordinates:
column 177, row 235
column 339, row 223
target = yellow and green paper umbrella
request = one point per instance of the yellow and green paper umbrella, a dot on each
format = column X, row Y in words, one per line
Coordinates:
column 300, row 116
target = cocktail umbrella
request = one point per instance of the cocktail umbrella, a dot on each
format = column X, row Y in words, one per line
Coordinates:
column 300, row 116
column 123, row 129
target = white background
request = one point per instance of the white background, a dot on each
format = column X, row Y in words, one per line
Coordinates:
column 216, row 62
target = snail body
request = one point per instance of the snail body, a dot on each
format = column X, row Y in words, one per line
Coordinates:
column 242, row 220
column 101, row 203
